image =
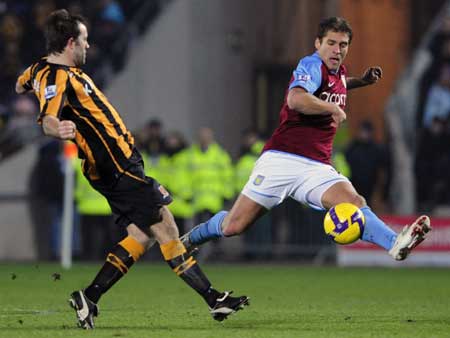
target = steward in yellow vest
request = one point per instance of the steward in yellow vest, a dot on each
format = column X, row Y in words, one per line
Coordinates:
column 212, row 174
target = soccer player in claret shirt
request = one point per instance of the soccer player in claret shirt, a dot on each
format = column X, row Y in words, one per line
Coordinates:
column 73, row 108
column 295, row 161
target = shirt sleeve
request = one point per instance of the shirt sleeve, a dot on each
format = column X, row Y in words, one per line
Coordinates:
column 52, row 93
column 25, row 79
column 307, row 75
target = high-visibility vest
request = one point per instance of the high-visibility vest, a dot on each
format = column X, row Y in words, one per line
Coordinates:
column 153, row 167
column 212, row 177
column 88, row 200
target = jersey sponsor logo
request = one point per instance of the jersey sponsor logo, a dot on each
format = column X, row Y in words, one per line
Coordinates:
column 49, row 92
column 344, row 81
column 338, row 99
column 331, row 84
column 303, row 77
column 258, row 180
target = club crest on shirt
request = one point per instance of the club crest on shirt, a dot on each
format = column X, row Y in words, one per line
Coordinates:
column 258, row 180
column 49, row 92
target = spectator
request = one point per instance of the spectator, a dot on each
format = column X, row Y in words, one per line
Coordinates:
column 11, row 33
column 366, row 159
column 109, row 22
column 437, row 103
column 251, row 147
column 21, row 127
column 35, row 30
column 150, row 139
column 45, row 199
column 433, row 165
column 212, row 175
column 176, row 165
column 440, row 50
column 258, row 240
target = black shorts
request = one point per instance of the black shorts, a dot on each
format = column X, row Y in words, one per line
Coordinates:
column 135, row 198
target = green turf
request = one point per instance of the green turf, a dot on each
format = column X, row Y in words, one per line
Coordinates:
column 286, row 301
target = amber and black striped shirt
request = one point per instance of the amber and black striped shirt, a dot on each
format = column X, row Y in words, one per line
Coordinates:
column 69, row 94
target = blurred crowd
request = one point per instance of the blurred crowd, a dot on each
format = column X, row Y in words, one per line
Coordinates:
column 22, row 42
column 432, row 163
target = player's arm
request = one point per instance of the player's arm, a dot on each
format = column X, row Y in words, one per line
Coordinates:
column 53, row 99
column 19, row 88
column 64, row 130
column 23, row 83
column 300, row 100
column 370, row 76
column 307, row 79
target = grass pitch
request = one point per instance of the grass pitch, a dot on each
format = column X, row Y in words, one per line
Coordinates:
column 286, row 301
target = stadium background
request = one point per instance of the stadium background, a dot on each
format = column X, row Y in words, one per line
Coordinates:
column 225, row 65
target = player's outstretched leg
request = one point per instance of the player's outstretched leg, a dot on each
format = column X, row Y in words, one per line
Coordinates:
column 410, row 237
column 376, row 231
column 204, row 232
column 399, row 246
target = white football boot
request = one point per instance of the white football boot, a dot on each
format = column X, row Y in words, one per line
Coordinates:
column 410, row 237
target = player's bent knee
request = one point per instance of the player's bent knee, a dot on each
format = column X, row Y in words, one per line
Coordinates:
column 358, row 200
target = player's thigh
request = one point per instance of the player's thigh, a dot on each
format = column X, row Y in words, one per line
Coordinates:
column 166, row 230
column 138, row 234
column 342, row 192
column 242, row 215
column 272, row 179
column 317, row 178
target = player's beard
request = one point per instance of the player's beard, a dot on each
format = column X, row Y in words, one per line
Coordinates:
column 80, row 59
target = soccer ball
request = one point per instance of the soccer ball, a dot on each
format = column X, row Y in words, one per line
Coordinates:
column 344, row 223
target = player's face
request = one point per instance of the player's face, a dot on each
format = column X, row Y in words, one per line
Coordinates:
column 81, row 46
column 333, row 48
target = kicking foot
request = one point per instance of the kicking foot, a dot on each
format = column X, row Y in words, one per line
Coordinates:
column 410, row 237
column 84, row 308
column 227, row 305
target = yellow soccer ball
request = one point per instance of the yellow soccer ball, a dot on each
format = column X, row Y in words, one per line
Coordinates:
column 344, row 223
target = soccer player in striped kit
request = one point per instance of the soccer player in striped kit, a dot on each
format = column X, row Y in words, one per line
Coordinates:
column 73, row 108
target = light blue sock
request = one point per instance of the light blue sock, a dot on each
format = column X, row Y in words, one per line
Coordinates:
column 212, row 228
column 376, row 231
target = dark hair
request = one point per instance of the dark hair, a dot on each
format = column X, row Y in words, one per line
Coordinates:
column 59, row 28
column 335, row 24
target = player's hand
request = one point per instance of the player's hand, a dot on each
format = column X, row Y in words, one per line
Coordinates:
column 372, row 75
column 67, row 130
column 338, row 116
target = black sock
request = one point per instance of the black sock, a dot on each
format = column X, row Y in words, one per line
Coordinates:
column 117, row 264
column 188, row 270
